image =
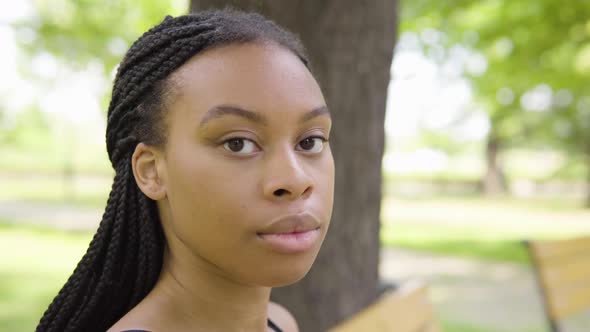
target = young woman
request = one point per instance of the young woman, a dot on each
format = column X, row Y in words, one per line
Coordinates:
column 218, row 134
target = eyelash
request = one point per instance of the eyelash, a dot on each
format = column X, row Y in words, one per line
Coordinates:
column 322, row 138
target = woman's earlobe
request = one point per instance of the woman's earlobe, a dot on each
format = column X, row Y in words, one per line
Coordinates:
column 147, row 174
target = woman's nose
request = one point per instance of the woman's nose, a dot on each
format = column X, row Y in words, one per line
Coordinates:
column 286, row 178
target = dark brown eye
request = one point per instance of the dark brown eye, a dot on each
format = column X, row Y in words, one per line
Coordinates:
column 235, row 144
column 313, row 144
column 240, row 145
column 307, row 144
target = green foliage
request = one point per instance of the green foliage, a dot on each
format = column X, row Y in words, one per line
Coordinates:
column 80, row 31
column 574, row 169
column 439, row 140
column 527, row 44
column 77, row 34
column 30, row 128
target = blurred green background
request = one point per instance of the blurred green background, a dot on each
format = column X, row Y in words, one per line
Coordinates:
column 488, row 144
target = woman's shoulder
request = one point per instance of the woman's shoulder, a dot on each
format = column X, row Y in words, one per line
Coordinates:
column 278, row 314
column 282, row 317
column 136, row 320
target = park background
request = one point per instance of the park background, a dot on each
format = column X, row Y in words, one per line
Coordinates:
column 487, row 144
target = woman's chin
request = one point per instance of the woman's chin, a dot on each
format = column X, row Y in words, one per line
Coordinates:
column 282, row 281
column 286, row 274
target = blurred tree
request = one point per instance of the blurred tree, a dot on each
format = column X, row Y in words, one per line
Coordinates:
column 80, row 31
column 537, row 61
column 78, row 34
column 441, row 140
column 350, row 44
column 30, row 126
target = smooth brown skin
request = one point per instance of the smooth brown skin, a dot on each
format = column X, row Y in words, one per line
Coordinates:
column 217, row 273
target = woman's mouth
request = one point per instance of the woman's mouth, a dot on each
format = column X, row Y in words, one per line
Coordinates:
column 291, row 243
column 291, row 234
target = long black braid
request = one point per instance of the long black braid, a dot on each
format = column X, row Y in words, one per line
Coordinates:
column 124, row 258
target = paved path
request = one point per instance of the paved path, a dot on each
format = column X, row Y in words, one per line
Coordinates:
column 501, row 297
column 53, row 215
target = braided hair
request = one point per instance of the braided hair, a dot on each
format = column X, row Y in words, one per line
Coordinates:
column 124, row 258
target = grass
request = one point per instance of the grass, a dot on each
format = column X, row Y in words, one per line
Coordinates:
column 48, row 156
column 491, row 230
column 86, row 191
column 450, row 241
column 452, row 326
column 35, row 263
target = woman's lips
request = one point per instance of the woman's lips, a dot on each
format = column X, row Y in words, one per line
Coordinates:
column 291, row 243
column 291, row 234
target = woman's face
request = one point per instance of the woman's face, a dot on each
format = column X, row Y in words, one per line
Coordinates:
column 244, row 149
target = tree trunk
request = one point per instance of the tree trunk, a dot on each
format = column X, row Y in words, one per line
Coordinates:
column 350, row 44
column 494, row 182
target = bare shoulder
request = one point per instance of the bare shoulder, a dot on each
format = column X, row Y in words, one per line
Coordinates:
column 282, row 317
column 128, row 323
column 140, row 318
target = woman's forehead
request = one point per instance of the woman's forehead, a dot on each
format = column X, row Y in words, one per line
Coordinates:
column 254, row 76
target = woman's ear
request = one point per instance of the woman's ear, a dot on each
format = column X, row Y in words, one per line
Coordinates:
column 148, row 175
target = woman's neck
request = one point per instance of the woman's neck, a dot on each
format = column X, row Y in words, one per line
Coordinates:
column 192, row 295
column 203, row 293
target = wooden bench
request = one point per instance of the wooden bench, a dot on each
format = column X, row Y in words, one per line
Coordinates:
column 562, row 270
column 405, row 309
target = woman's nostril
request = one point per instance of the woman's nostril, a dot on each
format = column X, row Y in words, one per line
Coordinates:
column 280, row 192
column 306, row 192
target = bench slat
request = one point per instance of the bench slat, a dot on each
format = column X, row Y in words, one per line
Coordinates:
column 406, row 309
column 431, row 327
column 567, row 272
column 563, row 270
column 551, row 250
column 569, row 301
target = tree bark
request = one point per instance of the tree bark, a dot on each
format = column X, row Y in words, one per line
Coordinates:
column 350, row 44
column 494, row 181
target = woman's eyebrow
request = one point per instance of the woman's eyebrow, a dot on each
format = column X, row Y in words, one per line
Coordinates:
column 223, row 110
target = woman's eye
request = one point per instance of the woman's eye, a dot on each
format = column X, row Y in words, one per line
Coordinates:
column 240, row 145
column 314, row 144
